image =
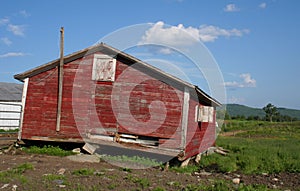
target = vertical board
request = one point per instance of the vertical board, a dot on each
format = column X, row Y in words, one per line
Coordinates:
column 24, row 94
column 200, row 135
column 185, row 116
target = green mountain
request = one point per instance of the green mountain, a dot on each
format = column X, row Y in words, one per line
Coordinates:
column 242, row 110
column 290, row 112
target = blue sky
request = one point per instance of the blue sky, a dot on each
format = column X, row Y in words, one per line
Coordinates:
column 255, row 43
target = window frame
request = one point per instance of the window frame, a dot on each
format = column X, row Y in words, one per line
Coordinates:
column 204, row 114
column 99, row 67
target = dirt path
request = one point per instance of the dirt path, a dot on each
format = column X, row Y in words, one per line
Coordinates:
column 231, row 133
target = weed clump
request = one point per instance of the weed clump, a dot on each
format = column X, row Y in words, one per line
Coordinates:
column 15, row 173
column 48, row 150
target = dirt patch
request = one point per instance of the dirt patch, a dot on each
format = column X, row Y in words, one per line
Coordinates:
column 231, row 133
column 57, row 173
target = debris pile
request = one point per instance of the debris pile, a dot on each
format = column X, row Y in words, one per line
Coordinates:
column 218, row 150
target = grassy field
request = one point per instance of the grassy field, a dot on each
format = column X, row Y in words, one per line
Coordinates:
column 258, row 152
column 257, row 147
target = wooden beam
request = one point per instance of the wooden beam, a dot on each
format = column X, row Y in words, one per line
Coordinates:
column 185, row 117
column 60, row 79
column 24, row 94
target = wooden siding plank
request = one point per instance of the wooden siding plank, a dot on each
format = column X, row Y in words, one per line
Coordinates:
column 178, row 130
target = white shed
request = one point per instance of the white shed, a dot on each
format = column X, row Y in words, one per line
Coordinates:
column 10, row 105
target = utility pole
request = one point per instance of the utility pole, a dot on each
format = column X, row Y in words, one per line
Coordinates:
column 60, row 79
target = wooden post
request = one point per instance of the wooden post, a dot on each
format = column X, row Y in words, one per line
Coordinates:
column 60, row 79
column 24, row 94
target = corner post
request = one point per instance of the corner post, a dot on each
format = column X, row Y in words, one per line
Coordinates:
column 185, row 116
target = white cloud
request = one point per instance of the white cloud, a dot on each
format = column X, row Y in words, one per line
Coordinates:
column 12, row 54
column 262, row 5
column 231, row 8
column 24, row 13
column 237, row 100
column 6, row 41
column 179, row 35
column 4, row 21
column 17, row 30
column 209, row 33
column 159, row 33
column 246, row 81
column 165, row 50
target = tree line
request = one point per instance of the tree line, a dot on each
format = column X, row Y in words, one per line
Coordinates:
column 271, row 114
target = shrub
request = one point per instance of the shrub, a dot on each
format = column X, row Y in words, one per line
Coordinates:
column 48, row 150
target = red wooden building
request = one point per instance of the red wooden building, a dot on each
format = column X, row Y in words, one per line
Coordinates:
column 112, row 98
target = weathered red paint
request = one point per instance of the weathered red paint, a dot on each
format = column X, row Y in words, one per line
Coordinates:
column 41, row 107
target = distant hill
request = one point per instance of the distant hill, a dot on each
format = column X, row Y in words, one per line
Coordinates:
column 236, row 109
column 290, row 112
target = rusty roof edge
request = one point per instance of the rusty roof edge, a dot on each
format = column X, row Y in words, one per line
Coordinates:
column 198, row 90
column 50, row 65
column 83, row 52
column 153, row 68
column 214, row 101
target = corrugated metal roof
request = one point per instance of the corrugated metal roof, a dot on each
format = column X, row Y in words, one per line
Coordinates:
column 10, row 91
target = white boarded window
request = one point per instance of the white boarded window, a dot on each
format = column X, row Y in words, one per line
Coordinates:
column 104, row 68
column 205, row 114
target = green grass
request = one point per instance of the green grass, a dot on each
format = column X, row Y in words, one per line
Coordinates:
column 15, row 173
column 159, row 189
column 48, row 150
column 147, row 162
column 112, row 186
column 142, row 182
column 187, row 169
column 9, row 131
column 223, row 185
column 51, row 177
column 261, row 147
column 84, row 172
column 264, row 128
column 174, row 184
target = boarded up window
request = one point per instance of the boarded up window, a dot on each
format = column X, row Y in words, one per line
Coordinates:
column 205, row 114
column 104, row 68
